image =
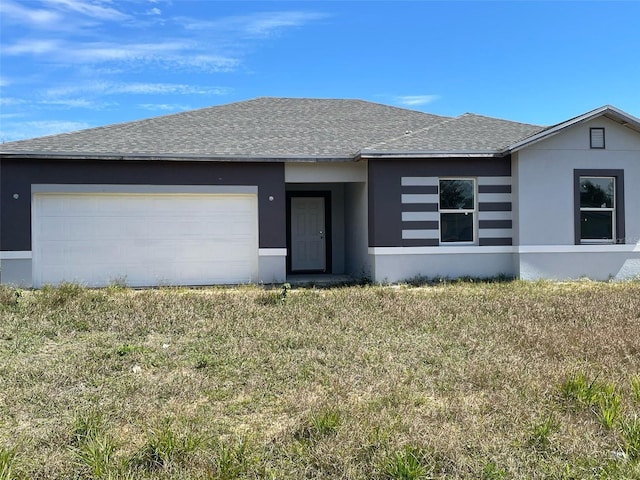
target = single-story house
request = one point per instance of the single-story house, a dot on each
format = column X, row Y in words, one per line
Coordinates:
column 259, row 190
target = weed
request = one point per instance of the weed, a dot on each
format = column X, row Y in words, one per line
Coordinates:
column 6, row 460
column 635, row 388
column 118, row 283
column 86, row 427
column 539, row 436
column 630, row 433
column 276, row 298
column 407, row 464
column 126, row 349
column 58, row 296
column 96, row 454
column 581, row 390
column 601, row 397
column 284, row 293
column 9, row 296
column 203, row 361
column 491, row 472
column 231, row 460
column 608, row 408
column 164, row 447
column 94, row 450
column 322, row 423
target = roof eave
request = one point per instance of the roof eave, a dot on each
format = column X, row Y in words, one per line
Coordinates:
column 373, row 154
column 177, row 158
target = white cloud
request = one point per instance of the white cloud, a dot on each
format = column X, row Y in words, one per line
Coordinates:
column 169, row 53
column 114, row 88
column 32, row 47
column 13, row 12
column 164, row 107
column 89, row 9
column 72, row 103
column 6, row 101
column 154, row 11
column 414, row 100
column 259, row 24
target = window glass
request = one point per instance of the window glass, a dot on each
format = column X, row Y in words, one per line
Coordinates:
column 456, row 227
column 596, row 192
column 456, row 194
column 595, row 225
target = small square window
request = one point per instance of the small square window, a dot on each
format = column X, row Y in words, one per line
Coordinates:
column 597, row 137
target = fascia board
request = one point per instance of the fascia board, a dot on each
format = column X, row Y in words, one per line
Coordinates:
column 372, row 154
column 175, row 158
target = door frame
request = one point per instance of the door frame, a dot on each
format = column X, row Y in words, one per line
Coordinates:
column 327, row 228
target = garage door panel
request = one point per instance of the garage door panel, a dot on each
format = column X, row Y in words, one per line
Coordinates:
column 150, row 239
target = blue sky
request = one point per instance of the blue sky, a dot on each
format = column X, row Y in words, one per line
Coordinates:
column 72, row 64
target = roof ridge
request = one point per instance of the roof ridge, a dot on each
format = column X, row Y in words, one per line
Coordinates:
column 471, row 114
column 410, row 133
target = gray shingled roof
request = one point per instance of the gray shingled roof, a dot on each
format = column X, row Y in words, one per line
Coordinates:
column 264, row 127
column 467, row 133
column 281, row 128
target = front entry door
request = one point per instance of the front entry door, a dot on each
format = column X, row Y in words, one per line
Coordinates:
column 308, row 235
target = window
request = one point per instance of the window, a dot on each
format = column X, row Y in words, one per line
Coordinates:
column 596, row 137
column 599, row 200
column 457, row 210
column 597, row 209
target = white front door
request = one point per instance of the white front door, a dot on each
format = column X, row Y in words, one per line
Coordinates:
column 308, row 236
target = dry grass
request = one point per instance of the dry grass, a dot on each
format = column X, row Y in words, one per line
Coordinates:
column 467, row 380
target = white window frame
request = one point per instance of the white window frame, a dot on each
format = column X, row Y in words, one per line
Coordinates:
column 473, row 211
column 612, row 209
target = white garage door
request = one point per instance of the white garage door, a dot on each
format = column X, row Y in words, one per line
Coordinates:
column 145, row 239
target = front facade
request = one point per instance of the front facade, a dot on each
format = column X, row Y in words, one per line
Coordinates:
column 332, row 186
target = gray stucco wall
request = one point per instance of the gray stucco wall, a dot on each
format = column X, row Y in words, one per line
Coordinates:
column 385, row 189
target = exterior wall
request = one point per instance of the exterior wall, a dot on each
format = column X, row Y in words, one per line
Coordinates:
column 544, row 192
column 356, row 256
column 401, row 264
column 325, row 172
column 16, row 271
column 404, row 230
column 18, row 176
column 272, row 265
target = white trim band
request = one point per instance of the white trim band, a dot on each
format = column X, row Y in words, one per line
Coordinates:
column 419, row 181
column 272, row 252
column 422, row 216
column 606, row 248
column 16, row 255
column 44, row 188
column 525, row 249
column 419, row 198
column 446, row 250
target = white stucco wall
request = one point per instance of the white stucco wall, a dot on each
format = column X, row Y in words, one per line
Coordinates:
column 393, row 264
column 544, row 179
column 543, row 191
column 325, row 172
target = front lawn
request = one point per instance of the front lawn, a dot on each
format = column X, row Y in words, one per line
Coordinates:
column 462, row 380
